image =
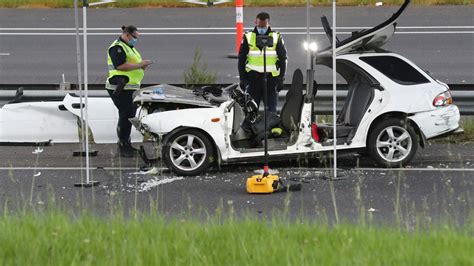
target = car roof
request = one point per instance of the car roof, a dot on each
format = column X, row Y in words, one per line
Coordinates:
column 367, row 40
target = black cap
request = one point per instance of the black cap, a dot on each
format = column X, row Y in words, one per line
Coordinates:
column 263, row 16
column 129, row 29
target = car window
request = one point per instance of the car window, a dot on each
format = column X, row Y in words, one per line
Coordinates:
column 396, row 69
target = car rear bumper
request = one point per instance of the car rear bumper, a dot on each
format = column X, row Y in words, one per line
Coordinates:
column 456, row 131
column 439, row 122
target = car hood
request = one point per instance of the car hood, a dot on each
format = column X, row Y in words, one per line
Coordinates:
column 367, row 39
column 165, row 93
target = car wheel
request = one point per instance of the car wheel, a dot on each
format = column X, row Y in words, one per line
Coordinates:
column 188, row 152
column 393, row 142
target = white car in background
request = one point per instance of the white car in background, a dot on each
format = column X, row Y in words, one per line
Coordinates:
column 391, row 108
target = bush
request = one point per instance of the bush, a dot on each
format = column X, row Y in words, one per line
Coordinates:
column 198, row 72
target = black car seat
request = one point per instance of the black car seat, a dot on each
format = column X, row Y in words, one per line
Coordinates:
column 289, row 118
column 291, row 111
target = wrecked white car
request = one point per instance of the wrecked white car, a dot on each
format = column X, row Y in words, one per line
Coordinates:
column 391, row 108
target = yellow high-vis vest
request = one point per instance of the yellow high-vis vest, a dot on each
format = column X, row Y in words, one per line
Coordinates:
column 134, row 76
column 255, row 55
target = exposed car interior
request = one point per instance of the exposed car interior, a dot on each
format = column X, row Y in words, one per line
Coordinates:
column 360, row 95
column 286, row 123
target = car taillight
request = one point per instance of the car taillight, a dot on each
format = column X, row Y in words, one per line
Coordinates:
column 443, row 99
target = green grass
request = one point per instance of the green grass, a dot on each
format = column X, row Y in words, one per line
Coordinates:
column 54, row 238
column 248, row 3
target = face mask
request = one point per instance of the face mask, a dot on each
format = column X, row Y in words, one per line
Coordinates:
column 262, row 30
column 132, row 42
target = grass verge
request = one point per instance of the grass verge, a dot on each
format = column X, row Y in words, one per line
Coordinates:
column 54, row 238
column 248, row 3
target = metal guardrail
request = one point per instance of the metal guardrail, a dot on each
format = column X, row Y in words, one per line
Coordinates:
column 463, row 95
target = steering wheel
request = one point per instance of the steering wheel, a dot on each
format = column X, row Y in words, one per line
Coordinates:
column 327, row 29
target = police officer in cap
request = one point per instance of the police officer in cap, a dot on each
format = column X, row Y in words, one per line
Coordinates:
column 251, row 63
column 126, row 71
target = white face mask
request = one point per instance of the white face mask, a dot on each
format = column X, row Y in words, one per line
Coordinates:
column 132, row 42
column 262, row 30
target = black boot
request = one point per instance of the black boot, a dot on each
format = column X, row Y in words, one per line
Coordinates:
column 131, row 146
column 125, row 149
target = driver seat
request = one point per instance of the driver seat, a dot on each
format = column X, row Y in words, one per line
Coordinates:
column 291, row 111
column 289, row 119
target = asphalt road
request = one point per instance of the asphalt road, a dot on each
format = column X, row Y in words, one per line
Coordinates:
column 37, row 46
column 438, row 185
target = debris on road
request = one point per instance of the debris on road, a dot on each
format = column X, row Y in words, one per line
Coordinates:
column 147, row 186
column 37, row 151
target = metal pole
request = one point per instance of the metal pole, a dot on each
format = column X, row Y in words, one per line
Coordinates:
column 334, row 85
column 334, row 38
column 309, row 56
column 265, row 102
column 88, row 183
column 79, row 73
column 84, row 21
column 308, row 51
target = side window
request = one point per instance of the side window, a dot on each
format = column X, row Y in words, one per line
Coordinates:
column 396, row 69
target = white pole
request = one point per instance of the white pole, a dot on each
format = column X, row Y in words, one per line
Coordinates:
column 85, row 4
column 79, row 73
column 308, row 41
column 334, row 99
column 84, row 21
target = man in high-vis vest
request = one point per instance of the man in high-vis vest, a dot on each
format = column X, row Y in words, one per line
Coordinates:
column 126, row 71
column 251, row 63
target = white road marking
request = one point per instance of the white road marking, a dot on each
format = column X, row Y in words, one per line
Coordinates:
column 177, row 31
column 73, row 168
column 227, row 28
column 291, row 169
column 212, row 33
column 387, row 169
column 4, row 54
column 434, row 32
column 417, row 169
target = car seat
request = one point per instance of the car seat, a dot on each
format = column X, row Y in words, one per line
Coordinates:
column 291, row 111
column 359, row 96
column 289, row 118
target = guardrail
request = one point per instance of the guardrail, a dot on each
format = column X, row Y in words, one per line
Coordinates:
column 463, row 95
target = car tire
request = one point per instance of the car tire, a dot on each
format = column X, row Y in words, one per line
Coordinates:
column 188, row 152
column 393, row 142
